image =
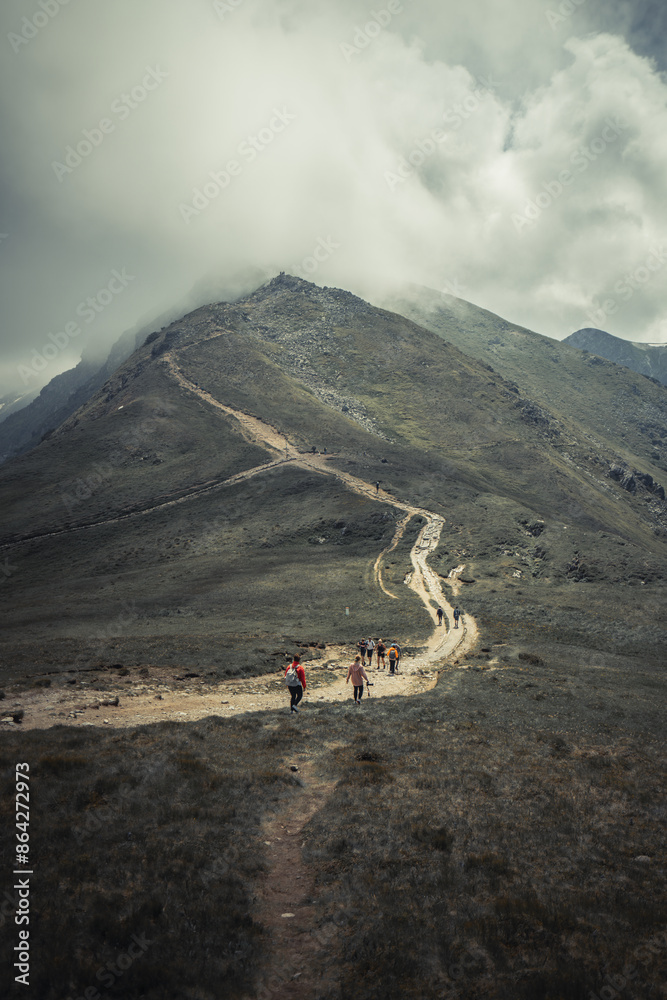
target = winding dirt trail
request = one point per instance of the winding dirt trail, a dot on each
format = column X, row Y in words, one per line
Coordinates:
column 423, row 580
column 300, row 949
column 158, row 698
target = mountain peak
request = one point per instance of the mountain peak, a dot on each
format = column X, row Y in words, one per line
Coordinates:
column 645, row 359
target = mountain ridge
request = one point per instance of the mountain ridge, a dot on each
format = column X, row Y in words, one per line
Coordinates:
column 646, row 359
column 23, row 428
column 534, row 503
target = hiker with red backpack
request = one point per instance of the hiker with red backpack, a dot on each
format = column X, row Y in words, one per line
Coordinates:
column 295, row 678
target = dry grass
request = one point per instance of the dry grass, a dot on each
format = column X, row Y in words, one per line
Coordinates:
column 479, row 841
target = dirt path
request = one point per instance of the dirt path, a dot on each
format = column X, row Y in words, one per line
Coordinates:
column 162, row 693
column 159, row 697
column 423, row 580
column 284, row 904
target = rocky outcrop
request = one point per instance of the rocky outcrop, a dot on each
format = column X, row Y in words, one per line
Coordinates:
column 632, row 481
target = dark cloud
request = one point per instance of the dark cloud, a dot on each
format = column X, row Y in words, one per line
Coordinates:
column 513, row 154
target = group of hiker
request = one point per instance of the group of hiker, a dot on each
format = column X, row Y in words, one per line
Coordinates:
column 295, row 675
column 368, row 647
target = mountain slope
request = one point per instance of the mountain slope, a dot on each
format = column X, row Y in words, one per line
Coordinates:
column 22, row 429
column 646, row 359
column 610, row 407
column 139, row 507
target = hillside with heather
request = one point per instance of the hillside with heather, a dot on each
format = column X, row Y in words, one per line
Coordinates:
column 282, row 475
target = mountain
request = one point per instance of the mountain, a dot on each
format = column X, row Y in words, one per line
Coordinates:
column 12, row 402
column 647, row 359
column 179, row 516
column 605, row 405
column 37, row 415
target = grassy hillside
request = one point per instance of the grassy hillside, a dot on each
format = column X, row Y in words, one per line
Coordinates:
column 610, row 406
column 499, row 836
column 527, row 496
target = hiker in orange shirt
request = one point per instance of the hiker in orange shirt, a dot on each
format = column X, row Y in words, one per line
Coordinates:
column 358, row 675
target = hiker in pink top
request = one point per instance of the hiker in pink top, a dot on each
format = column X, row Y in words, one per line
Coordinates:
column 358, row 675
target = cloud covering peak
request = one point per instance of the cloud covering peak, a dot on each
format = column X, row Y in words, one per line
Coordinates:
column 511, row 158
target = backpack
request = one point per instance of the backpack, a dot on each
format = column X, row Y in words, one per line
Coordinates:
column 292, row 678
column 395, row 652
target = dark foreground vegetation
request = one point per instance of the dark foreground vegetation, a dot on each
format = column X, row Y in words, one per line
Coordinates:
column 501, row 836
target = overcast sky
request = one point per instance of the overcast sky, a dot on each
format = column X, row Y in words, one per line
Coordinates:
column 159, row 154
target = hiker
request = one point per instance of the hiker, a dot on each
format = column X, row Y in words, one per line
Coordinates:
column 370, row 646
column 440, row 613
column 457, row 615
column 377, row 485
column 393, row 657
column 358, row 675
column 295, row 678
column 361, row 646
column 380, row 650
column 398, row 655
